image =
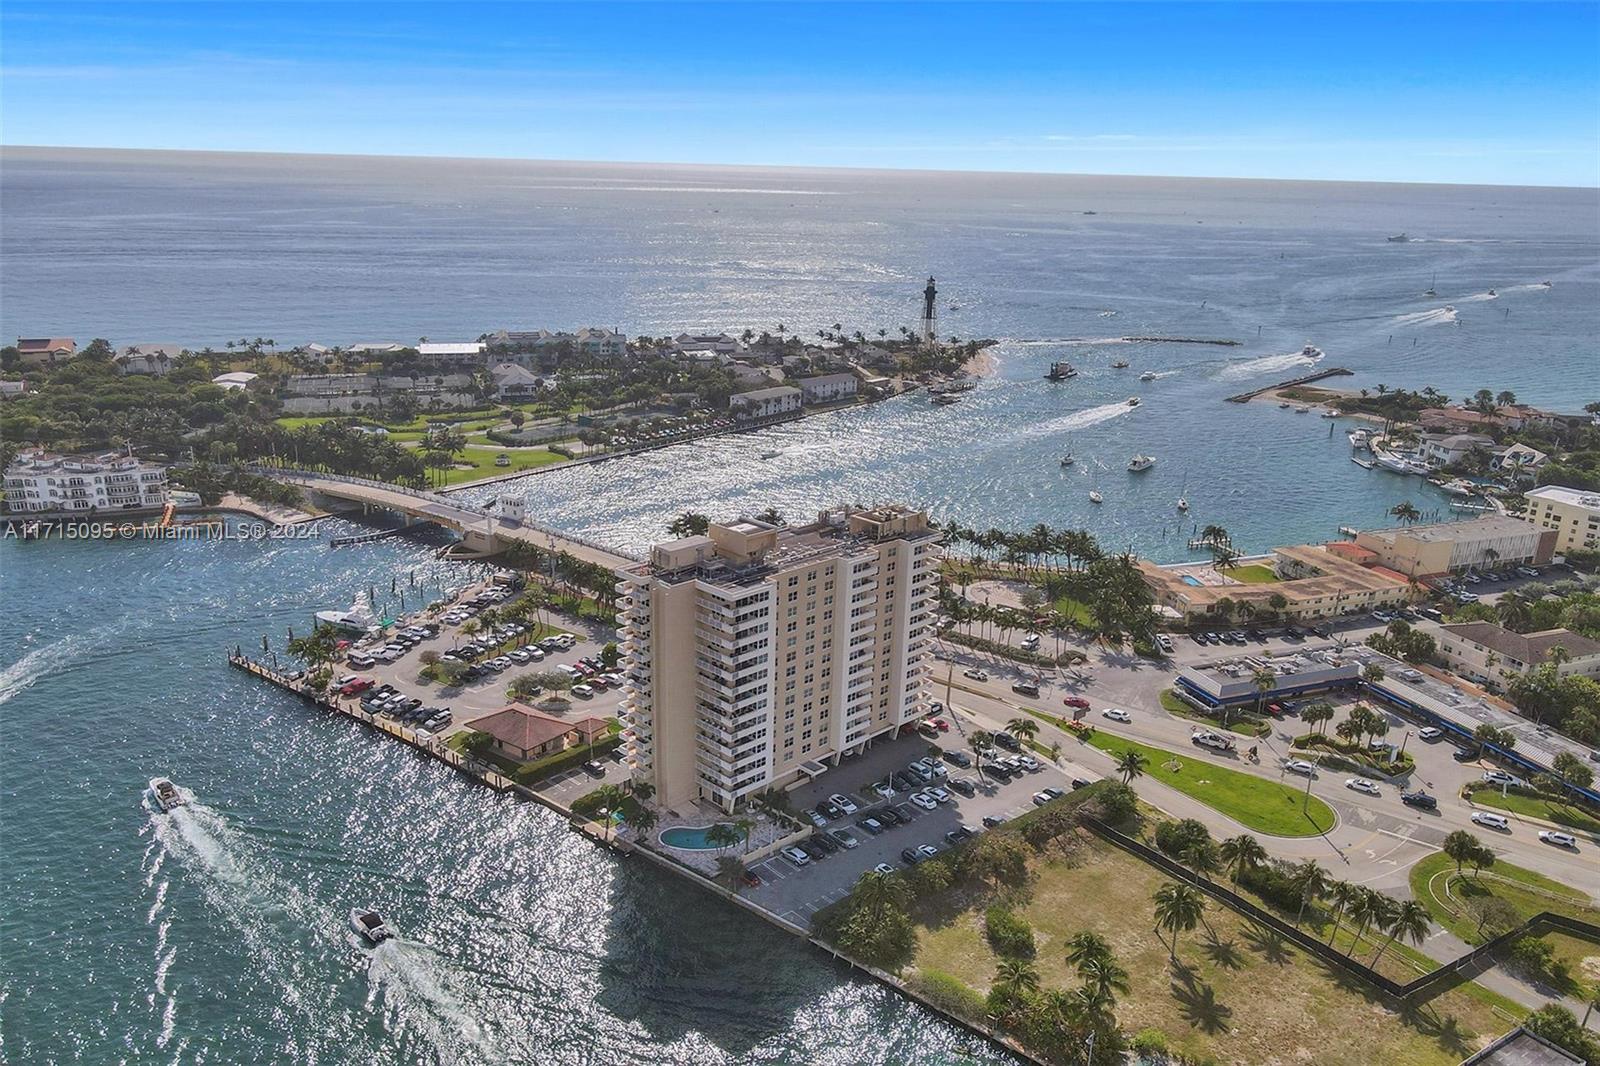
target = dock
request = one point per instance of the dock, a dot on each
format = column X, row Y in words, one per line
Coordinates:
column 1331, row 372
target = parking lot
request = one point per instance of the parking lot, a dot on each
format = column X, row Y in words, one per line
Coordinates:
column 796, row 892
column 485, row 692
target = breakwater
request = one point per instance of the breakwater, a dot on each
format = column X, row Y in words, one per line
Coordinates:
column 1331, row 372
column 1183, row 340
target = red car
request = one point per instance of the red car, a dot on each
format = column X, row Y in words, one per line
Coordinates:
column 356, row 687
column 751, row 880
column 1076, row 701
column 940, row 724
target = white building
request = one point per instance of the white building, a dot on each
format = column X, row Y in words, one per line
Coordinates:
column 1519, row 459
column 235, row 379
column 1489, row 654
column 1444, row 449
column 765, row 403
column 592, row 341
column 721, row 343
column 513, row 382
column 156, row 359
column 828, row 388
column 39, row 482
column 755, row 653
column 456, row 354
column 1573, row 513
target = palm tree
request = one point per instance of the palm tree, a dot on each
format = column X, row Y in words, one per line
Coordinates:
column 722, row 835
column 1310, row 882
column 1016, row 977
column 1178, row 909
column 1318, row 714
column 1409, row 920
column 1023, row 728
column 1086, row 947
column 1131, row 764
column 1405, row 512
column 1374, row 909
column 1102, row 981
column 1264, row 679
column 980, row 741
column 1241, row 853
column 1203, row 858
column 1342, row 895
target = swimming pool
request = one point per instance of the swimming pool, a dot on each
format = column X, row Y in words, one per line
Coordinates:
column 688, row 837
column 1190, row 579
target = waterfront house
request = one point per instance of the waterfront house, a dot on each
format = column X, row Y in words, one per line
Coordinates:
column 828, row 388
column 1519, row 460
column 513, row 382
column 1489, row 654
column 154, row 359
column 236, row 379
column 45, row 351
column 1447, row 448
column 371, row 348
column 593, row 341
column 524, row 734
column 1455, row 420
column 765, row 403
column 721, row 343
column 9, row 389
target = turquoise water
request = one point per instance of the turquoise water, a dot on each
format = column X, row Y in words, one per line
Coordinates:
column 1188, row 580
column 219, row 933
column 690, row 838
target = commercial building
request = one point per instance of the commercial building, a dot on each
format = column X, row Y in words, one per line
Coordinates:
column 828, row 388
column 1491, row 655
column 765, row 403
column 1573, row 515
column 756, row 653
column 1446, row 547
column 45, row 351
column 39, row 482
column 1313, row 582
column 1232, row 682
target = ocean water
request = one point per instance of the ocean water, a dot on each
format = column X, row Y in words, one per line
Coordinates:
column 218, row 935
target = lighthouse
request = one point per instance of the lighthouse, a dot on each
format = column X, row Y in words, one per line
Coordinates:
column 929, row 326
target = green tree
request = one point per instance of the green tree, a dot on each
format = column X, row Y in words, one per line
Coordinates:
column 689, row 523
column 1309, row 882
column 1131, row 764
column 1242, row 854
column 1410, row 920
column 1178, row 910
column 1460, row 846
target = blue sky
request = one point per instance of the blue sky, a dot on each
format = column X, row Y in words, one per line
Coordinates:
column 1478, row 92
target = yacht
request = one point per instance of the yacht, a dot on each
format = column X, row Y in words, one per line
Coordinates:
column 1399, row 238
column 1122, row 364
column 1067, row 460
column 1358, row 438
column 369, row 925
column 1311, row 351
column 1095, row 497
column 358, row 619
column 1148, row 375
column 945, row 400
column 1401, row 465
column 1329, row 412
column 166, row 794
column 1141, row 462
column 1061, row 372
column 1133, row 401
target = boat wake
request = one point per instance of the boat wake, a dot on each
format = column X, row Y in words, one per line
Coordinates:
column 1478, row 297
column 1092, row 416
column 1266, row 364
column 21, row 675
column 416, row 991
column 1436, row 317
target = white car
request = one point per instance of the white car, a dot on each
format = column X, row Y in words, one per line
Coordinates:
column 883, row 789
column 1116, row 714
column 1300, row 766
column 796, row 856
column 1493, row 821
column 843, row 803
column 939, row 795
column 883, row 868
column 1560, row 840
column 1361, row 784
column 1028, row 762
column 923, row 800
column 846, row 839
column 1430, row 733
column 582, row 690
column 927, row 851
column 975, row 674
column 1498, row 777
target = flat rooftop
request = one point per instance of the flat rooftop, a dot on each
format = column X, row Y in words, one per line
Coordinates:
column 1487, row 526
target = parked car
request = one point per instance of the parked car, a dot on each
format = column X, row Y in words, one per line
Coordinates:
column 1025, row 688
column 910, row 856
column 1467, row 754
column 923, row 800
column 992, row 820
column 1007, row 741
column 1499, row 777
column 1492, row 820
column 882, row 789
column 750, row 879
column 816, row 819
column 964, row 786
column 1301, row 767
column 796, row 855
column 583, row 691
column 1559, row 839
column 939, row 795
column 826, row 844
column 843, row 803
column 1430, row 733
column 845, row 838
column 905, row 812
column 1207, row 739
column 883, row 868
column 1044, row 796
column 871, row 825
column 1079, row 782
column 958, row 758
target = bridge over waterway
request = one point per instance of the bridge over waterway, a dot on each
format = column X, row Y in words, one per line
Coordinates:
column 483, row 532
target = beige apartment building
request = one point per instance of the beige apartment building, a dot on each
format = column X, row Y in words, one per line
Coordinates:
column 1314, row 582
column 758, row 654
column 1489, row 654
column 1451, row 547
column 1574, row 516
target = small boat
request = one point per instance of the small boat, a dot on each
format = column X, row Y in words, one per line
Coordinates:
column 369, row 925
column 1493, row 293
column 1349, row 531
column 1303, row 409
column 1183, row 504
column 1546, row 284
column 1095, row 497
column 1312, row 352
column 1365, row 464
column 1399, row 238
column 945, row 400
column 1067, row 460
column 1122, row 364
column 1330, row 413
column 166, row 794
column 1148, row 375
column 770, row 455
column 1358, row 438
column 1133, row 401
column 1449, row 309
column 1061, row 372
column 1286, row 405
column 1141, row 462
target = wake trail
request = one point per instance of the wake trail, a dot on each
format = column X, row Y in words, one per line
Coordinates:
column 417, row 988
column 1092, row 416
column 1265, row 364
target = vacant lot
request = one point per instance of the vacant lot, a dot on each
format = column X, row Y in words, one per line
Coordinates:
column 1256, row 803
column 1237, row 993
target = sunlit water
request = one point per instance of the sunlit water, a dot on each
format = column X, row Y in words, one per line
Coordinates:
column 219, row 934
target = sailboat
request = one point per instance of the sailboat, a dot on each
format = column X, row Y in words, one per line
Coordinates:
column 1430, row 290
column 1183, row 495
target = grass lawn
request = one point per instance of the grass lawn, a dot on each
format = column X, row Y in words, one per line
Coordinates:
column 1257, row 803
column 1237, row 993
column 1074, row 610
column 1254, row 574
column 1242, row 725
column 1538, row 807
column 1435, row 882
column 479, row 462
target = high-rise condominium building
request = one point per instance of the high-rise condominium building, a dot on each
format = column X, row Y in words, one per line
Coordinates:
column 759, row 653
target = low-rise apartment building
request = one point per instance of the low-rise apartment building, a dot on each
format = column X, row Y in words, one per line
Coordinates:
column 828, row 388
column 38, row 482
column 1489, row 654
column 1448, row 547
column 1572, row 515
column 45, row 351
column 757, row 653
column 1313, row 582
column 765, row 403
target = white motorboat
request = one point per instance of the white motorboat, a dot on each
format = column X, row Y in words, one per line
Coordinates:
column 1399, row 238
column 1311, row 351
column 1401, row 465
column 1546, row 284
column 1148, row 375
column 1286, row 405
column 1133, row 401
column 1141, row 462
column 1303, row 409
column 1183, row 504
column 166, row 794
column 1359, row 438
column 1329, row 413
column 1095, row 497
column 358, row 619
column 1122, row 364
column 369, row 925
